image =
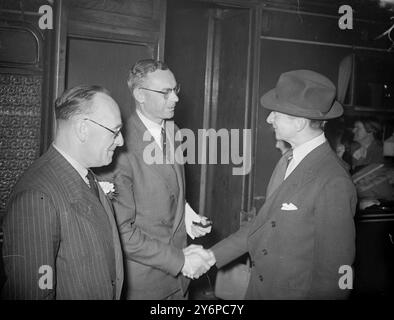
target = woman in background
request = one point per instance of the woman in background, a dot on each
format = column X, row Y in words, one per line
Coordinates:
column 367, row 147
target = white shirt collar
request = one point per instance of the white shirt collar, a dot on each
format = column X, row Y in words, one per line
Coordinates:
column 153, row 127
column 300, row 152
column 74, row 163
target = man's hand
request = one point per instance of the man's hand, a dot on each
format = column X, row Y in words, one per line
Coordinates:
column 201, row 228
column 197, row 261
column 192, row 217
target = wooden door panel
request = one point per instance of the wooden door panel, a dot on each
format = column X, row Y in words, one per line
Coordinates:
column 224, row 189
column 104, row 63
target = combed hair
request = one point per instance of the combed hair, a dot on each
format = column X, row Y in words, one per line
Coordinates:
column 140, row 69
column 76, row 101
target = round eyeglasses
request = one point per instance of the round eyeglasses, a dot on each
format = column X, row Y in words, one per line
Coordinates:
column 166, row 92
column 114, row 132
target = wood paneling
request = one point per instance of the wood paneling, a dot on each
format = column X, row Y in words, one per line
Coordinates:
column 212, row 47
column 110, row 18
column 139, row 8
column 225, row 190
column 185, row 54
column 138, row 21
column 105, row 38
column 24, row 72
column 322, row 28
column 104, row 63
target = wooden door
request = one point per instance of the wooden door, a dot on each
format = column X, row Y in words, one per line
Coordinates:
column 105, row 63
column 224, row 191
column 211, row 50
column 104, row 39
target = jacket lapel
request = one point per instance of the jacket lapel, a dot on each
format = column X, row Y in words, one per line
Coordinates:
column 116, row 241
column 180, row 174
column 78, row 191
column 137, row 145
column 91, row 207
column 85, row 203
column 302, row 175
column 162, row 171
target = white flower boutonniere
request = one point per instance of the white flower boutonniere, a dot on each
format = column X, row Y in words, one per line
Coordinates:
column 108, row 188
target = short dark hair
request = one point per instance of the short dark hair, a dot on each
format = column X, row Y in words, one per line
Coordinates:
column 75, row 101
column 141, row 68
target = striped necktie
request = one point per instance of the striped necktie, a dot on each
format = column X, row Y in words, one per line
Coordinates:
column 164, row 141
column 92, row 183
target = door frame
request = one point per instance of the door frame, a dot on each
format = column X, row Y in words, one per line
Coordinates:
column 251, row 101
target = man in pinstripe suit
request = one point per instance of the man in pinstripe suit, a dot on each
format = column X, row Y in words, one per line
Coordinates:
column 60, row 235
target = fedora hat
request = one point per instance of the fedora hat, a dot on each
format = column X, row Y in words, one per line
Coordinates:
column 303, row 93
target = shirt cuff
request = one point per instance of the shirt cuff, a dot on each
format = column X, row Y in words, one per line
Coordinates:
column 190, row 216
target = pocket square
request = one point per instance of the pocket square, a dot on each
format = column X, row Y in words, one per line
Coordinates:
column 288, row 207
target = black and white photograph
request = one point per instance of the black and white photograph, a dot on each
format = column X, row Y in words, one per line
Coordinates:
column 197, row 154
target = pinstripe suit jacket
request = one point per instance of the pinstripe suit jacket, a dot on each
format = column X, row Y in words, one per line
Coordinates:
column 149, row 210
column 54, row 220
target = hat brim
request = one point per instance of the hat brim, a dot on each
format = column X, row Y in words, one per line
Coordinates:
column 269, row 101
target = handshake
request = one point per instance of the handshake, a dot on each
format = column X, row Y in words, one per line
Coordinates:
column 197, row 261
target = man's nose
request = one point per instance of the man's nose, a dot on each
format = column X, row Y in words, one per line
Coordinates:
column 173, row 96
column 119, row 141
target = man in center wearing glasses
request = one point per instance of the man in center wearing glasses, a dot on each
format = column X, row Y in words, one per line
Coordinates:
column 150, row 203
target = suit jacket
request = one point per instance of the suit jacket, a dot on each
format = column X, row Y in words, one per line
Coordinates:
column 149, row 209
column 296, row 254
column 54, row 220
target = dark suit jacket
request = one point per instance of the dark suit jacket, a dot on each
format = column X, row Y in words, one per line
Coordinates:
column 54, row 219
column 149, row 209
column 297, row 254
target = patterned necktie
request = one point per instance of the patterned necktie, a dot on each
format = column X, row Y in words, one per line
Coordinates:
column 279, row 172
column 164, row 141
column 92, row 183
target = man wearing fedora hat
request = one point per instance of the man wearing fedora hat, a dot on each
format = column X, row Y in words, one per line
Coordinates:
column 304, row 234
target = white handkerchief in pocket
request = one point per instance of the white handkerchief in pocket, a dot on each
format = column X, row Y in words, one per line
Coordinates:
column 288, row 207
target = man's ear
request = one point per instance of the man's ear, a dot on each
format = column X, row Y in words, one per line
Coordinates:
column 80, row 129
column 301, row 123
column 138, row 95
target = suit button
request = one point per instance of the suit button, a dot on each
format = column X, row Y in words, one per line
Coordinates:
column 252, row 264
column 273, row 224
column 113, row 282
column 261, row 278
column 265, row 252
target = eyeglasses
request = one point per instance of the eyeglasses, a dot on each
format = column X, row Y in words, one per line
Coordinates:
column 114, row 132
column 165, row 92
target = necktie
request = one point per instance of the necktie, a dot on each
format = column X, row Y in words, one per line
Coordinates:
column 164, row 141
column 92, row 183
column 279, row 172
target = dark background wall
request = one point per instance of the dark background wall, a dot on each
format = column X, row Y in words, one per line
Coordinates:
column 108, row 64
